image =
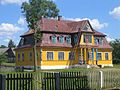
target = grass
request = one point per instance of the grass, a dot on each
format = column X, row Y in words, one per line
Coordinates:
column 8, row 64
column 116, row 66
column 82, row 69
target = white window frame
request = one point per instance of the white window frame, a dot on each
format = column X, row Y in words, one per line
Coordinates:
column 87, row 35
column 101, row 55
column 69, row 39
column 108, row 55
column 63, row 55
column 46, row 55
column 61, row 37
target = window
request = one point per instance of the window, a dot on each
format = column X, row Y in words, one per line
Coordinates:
column 75, row 39
column 60, row 55
column 98, row 40
column 22, row 56
column 54, row 39
column 90, row 55
column 18, row 57
column 22, row 41
column 30, row 56
column 86, row 27
column 99, row 56
column 61, row 39
column 49, row 55
column 71, row 55
column 106, row 56
column 87, row 38
column 68, row 39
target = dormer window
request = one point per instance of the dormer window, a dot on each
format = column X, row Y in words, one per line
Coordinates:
column 54, row 39
column 87, row 38
column 75, row 38
column 22, row 41
column 61, row 39
column 68, row 39
column 98, row 40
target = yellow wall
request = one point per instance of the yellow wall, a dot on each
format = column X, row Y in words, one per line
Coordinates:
column 26, row 61
column 103, row 61
column 66, row 60
column 82, row 39
column 54, row 62
column 46, row 62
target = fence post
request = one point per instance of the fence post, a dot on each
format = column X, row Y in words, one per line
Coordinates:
column 101, row 79
column 57, row 81
column 2, row 82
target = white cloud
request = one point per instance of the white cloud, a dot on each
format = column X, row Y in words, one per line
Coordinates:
column 9, row 29
column 6, row 40
column 97, row 25
column 21, row 21
column 115, row 13
column 19, row 2
column 12, row 31
column 94, row 22
column 109, row 39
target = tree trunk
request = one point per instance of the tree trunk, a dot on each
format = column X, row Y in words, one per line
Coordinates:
column 35, row 53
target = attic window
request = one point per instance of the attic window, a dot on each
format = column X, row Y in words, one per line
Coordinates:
column 68, row 39
column 75, row 38
column 98, row 40
column 61, row 39
column 86, row 27
column 22, row 41
column 54, row 39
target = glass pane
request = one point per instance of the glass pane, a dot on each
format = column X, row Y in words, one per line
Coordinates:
column 49, row 55
column 61, row 55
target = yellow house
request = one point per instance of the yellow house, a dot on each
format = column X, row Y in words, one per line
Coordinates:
column 64, row 44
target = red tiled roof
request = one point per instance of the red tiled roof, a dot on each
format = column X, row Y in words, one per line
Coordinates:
column 98, row 33
column 62, row 26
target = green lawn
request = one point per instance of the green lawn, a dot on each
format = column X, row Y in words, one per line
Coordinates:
column 8, row 64
column 116, row 66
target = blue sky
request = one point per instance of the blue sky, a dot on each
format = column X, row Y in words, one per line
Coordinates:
column 104, row 15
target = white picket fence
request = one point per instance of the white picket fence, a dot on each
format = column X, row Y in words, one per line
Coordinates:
column 104, row 79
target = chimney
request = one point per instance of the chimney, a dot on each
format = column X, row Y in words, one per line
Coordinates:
column 59, row 18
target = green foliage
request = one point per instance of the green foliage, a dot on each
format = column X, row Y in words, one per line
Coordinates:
column 35, row 10
column 2, row 46
column 116, row 51
column 3, row 58
column 11, row 44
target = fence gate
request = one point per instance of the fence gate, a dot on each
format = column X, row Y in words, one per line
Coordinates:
column 65, row 81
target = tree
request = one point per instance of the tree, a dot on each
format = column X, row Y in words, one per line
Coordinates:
column 34, row 11
column 11, row 44
column 116, row 51
column 2, row 46
column 3, row 58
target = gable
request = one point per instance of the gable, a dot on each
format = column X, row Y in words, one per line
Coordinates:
column 87, row 27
